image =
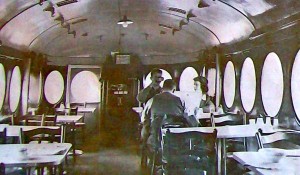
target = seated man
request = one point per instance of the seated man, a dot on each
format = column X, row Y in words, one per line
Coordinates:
column 160, row 105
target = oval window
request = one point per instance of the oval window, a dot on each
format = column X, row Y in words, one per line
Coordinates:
column 2, row 85
column 272, row 84
column 186, row 82
column 54, row 87
column 35, row 89
column 229, row 84
column 15, row 89
column 165, row 74
column 248, row 84
column 85, row 87
column 295, row 85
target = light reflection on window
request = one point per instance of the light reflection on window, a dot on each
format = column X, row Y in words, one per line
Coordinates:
column 2, row 85
column 186, row 82
column 85, row 87
column 211, row 77
column 165, row 74
column 229, row 84
column 248, row 84
column 15, row 89
column 35, row 89
column 272, row 84
column 54, row 87
column 295, row 85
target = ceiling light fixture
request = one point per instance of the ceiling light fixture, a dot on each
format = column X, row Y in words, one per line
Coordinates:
column 125, row 22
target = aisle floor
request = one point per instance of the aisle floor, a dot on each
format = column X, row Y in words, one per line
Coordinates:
column 106, row 155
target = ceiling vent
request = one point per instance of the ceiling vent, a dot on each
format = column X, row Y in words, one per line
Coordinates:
column 65, row 2
column 177, row 10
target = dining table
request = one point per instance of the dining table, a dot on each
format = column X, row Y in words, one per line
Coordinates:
column 270, row 161
column 33, row 155
column 227, row 132
column 69, row 118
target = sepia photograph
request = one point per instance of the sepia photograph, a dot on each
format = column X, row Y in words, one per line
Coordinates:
column 149, row 87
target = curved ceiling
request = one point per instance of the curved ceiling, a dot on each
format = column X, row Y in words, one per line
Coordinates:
column 163, row 32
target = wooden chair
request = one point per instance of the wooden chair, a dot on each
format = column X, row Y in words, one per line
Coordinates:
column 163, row 121
column 232, row 145
column 51, row 135
column 43, row 135
column 79, row 126
column 191, row 152
column 49, row 120
column 40, row 120
column 280, row 139
column 3, row 136
column 228, row 119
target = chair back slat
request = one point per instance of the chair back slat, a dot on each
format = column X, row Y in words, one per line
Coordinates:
column 273, row 137
column 40, row 120
column 280, row 139
column 43, row 134
column 228, row 119
column 49, row 120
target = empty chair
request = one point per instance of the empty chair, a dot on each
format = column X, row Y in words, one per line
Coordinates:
column 40, row 120
column 190, row 152
column 56, row 134
column 49, row 120
column 40, row 135
column 231, row 144
column 3, row 136
column 228, row 119
column 33, row 120
column 80, row 125
column 279, row 139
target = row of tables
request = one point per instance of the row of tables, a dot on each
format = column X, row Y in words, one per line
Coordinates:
column 226, row 132
column 12, row 155
column 29, row 155
column 260, row 162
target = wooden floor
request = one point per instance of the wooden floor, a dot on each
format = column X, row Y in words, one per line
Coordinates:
column 106, row 154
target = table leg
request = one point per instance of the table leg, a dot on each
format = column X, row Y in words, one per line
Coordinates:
column 219, row 156
column 224, row 156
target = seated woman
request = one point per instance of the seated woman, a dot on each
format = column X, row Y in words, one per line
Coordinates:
column 200, row 85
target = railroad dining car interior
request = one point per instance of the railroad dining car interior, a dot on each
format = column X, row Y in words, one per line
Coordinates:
column 77, row 67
